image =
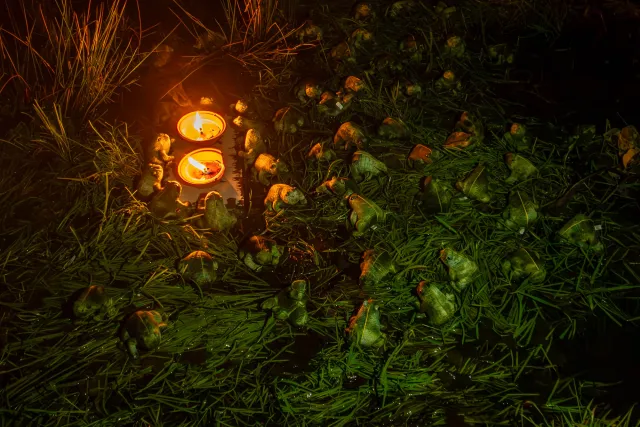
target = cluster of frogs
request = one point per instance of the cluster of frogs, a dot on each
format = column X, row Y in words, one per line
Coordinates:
column 352, row 142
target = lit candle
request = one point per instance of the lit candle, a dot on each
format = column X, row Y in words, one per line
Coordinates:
column 202, row 166
column 201, row 126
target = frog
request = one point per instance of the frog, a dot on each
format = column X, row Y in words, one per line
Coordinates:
column 455, row 47
column 332, row 105
column 166, row 203
column 581, row 232
column 321, row 153
column 420, row 155
column 628, row 144
column 436, row 195
column 290, row 303
column 364, row 11
column 459, row 140
column 310, row 33
column 387, row 64
column 266, row 167
column 287, row 120
column 443, row 10
column 375, row 266
column 449, row 81
column 216, row 215
column 259, row 251
column 402, row 8
column 340, row 186
column 476, row 184
column 150, row 180
column 254, row 145
column 350, row 134
column 364, row 327
column 365, row 214
column 245, row 124
column 413, row 90
column 306, row 90
column 361, row 38
column 521, row 168
column 162, row 55
column 524, row 264
column 364, row 166
column 343, row 53
column 241, row 106
column 439, row 306
column 518, row 137
column 501, row 54
column 94, row 302
column 283, row 195
column 472, row 125
column 393, row 129
column 198, row 267
column 353, row 84
column 142, row 330
column 158, row 151
column 462, row 270
column 521, row 212
column 411, row 49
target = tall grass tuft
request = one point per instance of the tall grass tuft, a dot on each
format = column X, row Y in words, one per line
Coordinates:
column 75, row 60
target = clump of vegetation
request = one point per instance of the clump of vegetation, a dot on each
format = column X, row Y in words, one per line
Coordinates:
column 375, row 287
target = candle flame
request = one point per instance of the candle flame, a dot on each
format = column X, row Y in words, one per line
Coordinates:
column 196, row 164
column 197, row 123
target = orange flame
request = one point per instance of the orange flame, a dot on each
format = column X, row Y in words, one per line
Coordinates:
column 197, row 123
column 196, row 164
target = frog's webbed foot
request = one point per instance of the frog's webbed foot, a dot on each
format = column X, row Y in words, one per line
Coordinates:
column 132, row 348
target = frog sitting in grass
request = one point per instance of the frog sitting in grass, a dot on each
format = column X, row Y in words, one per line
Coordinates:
column 93, row 301
column 462, row 269
column 290, row 304
column 141, row 330
column 364, row 327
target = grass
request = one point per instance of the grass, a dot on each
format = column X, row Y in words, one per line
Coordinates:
column 70, row 220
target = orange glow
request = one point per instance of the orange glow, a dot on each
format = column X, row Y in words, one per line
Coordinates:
column 201, row 126
column 203, row 166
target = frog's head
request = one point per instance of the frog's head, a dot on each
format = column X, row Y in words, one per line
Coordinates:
column 450, row 257
column 279, row 167
column 293, row 196
column 298, row 290
column 518, row 129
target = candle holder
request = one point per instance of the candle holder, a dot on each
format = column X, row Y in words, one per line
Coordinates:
column 200, row 126
column 201, row 167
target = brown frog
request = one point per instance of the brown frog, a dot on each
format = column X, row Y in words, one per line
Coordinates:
column 350, row 133
column 266, row 167
column 158, row 150
column 254, row 145
column 341, row 187
column 150, row 181
column 166, row 203
column 281, row 196
column 321, row 153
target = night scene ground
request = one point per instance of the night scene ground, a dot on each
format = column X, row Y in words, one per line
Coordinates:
column 295, row 212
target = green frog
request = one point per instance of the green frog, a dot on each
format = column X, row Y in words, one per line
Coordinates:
column 476, row 184
column 581, row 232
column 521, row 212
column 310, row 33
column 462, row 269
column 259, row 251
column 321, row 153
column 290, row 304
column 364, row 166
column 198, row 267
column 459, row 140
column 518, row 137
column 166, row 203
column 343, row 53
column 472, row 125
column 93, row 302
column 412, row 49
column 332, row 105
column 387, row 64
column 287, row 120
column 521, row 168
column 449, row 82
column 158, row 150
column 413, row 90
column 364, row 327
column 150, row 181
column 364, row 11
column 266, row 167
column 436, row 196
column 364, row 214
column 142, row 330
column 393, row 129
column 375, row 266
column 283, row 195
column 341, row 187
column 216, row 215
column 254, row 145
column 524, row 264
column 307, row 89
column 455, row 46
column 353, row 84
column 361, row 39
column 439, row 306
column 349, row 133
column 501, row 54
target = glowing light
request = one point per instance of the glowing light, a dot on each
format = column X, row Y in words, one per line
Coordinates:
column 196, row 164
column 197, row 123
